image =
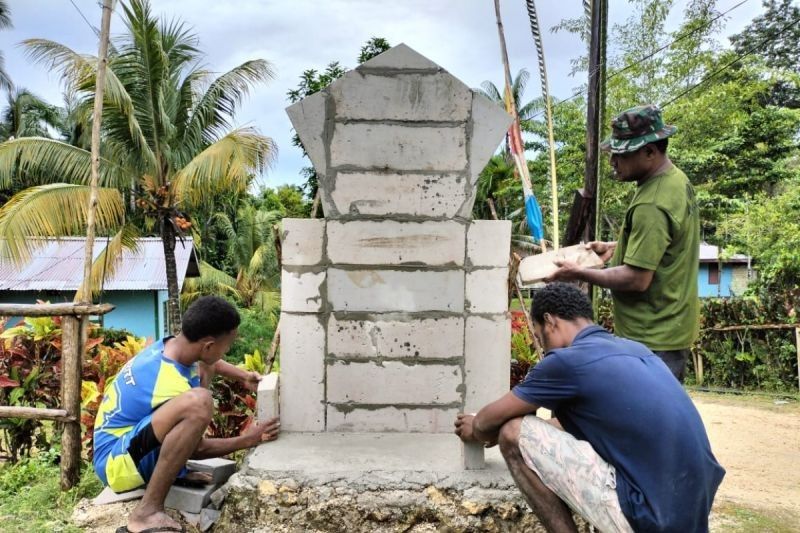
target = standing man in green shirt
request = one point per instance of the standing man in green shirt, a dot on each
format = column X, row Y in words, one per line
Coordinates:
column 653, row 270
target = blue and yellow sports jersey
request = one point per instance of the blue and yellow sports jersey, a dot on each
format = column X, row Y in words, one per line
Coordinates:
column 144, row 383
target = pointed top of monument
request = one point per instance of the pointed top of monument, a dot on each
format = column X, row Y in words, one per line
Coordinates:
column 401, row 57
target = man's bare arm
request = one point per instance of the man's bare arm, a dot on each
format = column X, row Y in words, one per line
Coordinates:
column 254, row 435
column 620, row 278
column 485, row 426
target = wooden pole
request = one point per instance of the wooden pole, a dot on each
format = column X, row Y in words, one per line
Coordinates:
column 60, row 309
column 797, row 345
column 71, row 355
column 35, row 413
column 84, row 294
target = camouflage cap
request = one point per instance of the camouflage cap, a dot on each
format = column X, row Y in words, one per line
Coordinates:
column 634, row 128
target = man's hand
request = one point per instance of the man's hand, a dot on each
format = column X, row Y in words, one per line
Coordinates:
column 464, row 427
column 603, row 249
column 567, row 271
column 250, row 380
column 260, row 432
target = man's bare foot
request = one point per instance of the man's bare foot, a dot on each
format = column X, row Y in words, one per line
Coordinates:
column 137, row 522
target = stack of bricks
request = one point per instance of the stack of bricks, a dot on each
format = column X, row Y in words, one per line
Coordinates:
column 394, row 307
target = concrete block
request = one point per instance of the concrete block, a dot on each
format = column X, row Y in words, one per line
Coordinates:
column 486, row 360
column 391, row 419
column 472, row 456
column 430, row 338
column 487, row 290
column 387, row 242
column 489, row 123
column 438, row 97
column 393, row 383
column 219, row 468
column 207, row 519
column 302, row 377
column 425, row 195
column 189, row 499
column 301, row 292
column 394, row 290
column 536, row 268
column 489, row 243
column 267, row 398
column 398, row 147
column 308, row 118
column 109, row 496
column 302, row 241
column 400, row 57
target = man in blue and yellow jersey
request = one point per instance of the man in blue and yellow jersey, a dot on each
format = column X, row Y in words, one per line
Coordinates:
column 155, row 412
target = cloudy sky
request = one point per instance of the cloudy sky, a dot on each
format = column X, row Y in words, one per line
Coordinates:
column 294, row 35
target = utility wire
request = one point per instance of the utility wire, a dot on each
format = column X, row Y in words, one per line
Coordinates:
column 648, row 56
column 95, row 30
column 731, row 63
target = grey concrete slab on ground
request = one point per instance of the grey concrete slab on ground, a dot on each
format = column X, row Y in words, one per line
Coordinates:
column 189, row 499
column 109, row 496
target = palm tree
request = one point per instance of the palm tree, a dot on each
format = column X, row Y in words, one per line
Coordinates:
column 167, row 134
column 526, row 111
column 5, row 22
column 27, row 115
column 253, row 256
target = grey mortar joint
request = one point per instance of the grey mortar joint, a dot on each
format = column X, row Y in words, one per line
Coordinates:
column 392, row 316
column 330, row 173
column 349, row 267
column 389, row 72
column 407, row 361
column 349, row 407
column 403, row 122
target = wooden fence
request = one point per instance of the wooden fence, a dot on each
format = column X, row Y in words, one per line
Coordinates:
column 74, row 330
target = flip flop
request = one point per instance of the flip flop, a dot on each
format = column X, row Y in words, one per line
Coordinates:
column 157, row 529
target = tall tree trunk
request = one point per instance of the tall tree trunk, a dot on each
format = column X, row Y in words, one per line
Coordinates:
column 173, row 300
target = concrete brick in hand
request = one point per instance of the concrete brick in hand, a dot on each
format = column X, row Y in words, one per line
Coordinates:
column 430, row 338
column 438, row 97
column 487, row 290
column 391, row 419
column 394, row 290
column 302, row 377
column 420, row 195
column 393, row 383
column 302, row 241
column 398, row 147
column 267, row 398
column 489, row 243
column 486, row 369
column 387, row 242
column 301, row 291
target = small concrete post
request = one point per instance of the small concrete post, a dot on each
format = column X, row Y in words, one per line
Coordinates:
column 267, row 400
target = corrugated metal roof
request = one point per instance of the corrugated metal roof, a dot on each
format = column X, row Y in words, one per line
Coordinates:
column 710, row 254
column 58, row 265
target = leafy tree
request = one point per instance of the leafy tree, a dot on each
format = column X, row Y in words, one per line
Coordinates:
column 525, row 111
column 167, row 132
column 286, row 199
column 27, row 115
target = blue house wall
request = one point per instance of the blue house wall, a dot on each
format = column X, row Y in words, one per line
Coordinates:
column 719, row 290
column 140, row 312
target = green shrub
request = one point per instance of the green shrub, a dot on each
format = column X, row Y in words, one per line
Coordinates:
column 255, row 333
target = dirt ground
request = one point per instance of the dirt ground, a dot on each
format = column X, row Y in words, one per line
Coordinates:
column 757, row 440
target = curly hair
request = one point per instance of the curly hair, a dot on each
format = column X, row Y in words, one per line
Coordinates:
column 562, row 300
column 209, row 316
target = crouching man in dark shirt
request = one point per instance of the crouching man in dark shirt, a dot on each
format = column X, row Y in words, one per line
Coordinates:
column 626, row 448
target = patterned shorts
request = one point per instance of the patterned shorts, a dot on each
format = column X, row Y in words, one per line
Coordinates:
column 574, row 472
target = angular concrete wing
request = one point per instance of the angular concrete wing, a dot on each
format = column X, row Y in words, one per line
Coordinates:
column 308, row 119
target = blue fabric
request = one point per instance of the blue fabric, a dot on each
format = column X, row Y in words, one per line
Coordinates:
column 621, row 398
column 533, row 215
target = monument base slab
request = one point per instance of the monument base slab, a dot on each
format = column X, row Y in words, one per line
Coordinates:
column 376, row 482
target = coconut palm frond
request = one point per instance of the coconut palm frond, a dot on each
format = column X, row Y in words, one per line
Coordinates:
column 107, row 262
column 491, row 91
column 215, row 107
column 211, row 281
column 269, row 301
column 53, row 210
column 230, row 163
column 41, row 161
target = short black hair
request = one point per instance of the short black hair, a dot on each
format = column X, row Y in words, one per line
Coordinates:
column 661, row 145
column 209, row 316
column 562, row 300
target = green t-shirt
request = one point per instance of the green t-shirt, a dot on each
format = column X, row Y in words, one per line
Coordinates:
column 661, row 233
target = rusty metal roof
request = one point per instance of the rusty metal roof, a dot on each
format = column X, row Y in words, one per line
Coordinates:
column 58, row 265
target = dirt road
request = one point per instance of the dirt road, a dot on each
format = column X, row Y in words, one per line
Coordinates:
column 758, row 443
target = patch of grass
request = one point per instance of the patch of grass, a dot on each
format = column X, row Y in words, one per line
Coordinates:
column 31, row 499
column 732, row 518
